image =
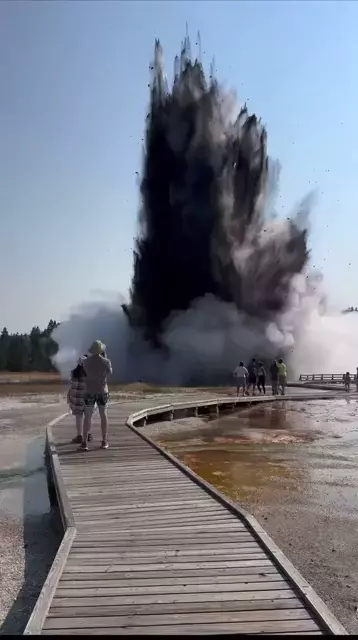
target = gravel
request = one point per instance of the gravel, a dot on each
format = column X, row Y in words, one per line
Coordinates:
column 29, row 532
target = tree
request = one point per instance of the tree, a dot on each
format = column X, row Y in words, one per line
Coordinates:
column 28, row 352
column 19, row 353
column 35, row 345
column 4, row 344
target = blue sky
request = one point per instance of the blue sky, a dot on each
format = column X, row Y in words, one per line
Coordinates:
column 74, row 92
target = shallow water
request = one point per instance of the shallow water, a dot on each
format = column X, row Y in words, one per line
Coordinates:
column 23, row 485
column 276, row 452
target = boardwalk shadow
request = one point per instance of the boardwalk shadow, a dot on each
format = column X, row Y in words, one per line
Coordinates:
column 42, row 535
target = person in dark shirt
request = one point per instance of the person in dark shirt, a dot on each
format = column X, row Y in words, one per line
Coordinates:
column 261, row 378
column 347, row 381
column 252, row 376
column 274, row 377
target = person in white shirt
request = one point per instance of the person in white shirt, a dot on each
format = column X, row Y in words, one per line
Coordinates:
column 241, row 375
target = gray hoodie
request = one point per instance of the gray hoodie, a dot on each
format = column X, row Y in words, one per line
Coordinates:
column 97, row 369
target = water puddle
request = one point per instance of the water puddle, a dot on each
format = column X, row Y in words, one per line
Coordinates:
column 275, row 452
column 23, row 487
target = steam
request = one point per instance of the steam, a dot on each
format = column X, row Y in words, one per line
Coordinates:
column 217, row 278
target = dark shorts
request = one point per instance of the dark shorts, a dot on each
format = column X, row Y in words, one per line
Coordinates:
column 252, row 379
column 99, row 399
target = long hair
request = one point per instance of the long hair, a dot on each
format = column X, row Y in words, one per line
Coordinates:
column 78, row 372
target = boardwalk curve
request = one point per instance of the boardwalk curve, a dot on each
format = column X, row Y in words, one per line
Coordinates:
column 150, row 547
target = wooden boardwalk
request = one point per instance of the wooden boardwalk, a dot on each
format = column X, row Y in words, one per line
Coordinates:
column 149, row 551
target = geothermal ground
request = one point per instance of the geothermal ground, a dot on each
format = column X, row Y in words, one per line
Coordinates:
column 292, row 466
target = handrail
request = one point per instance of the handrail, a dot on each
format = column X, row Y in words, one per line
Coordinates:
column 325, row 377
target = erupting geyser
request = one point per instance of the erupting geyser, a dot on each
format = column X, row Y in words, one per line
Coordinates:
column 204, row 217
column 217, row 277
column 204, row 194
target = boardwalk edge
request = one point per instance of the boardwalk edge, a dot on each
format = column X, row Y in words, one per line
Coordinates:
column 43, row 603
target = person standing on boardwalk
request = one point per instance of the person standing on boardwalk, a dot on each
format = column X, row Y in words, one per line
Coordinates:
column 76, row 399
column 241, row 374
column 274, row 377
column 252, row 376
column 261, row 378
column 97, row 368
column 282, row 376
column 347, row 381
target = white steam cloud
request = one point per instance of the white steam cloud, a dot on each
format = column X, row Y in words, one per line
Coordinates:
column 207, row 341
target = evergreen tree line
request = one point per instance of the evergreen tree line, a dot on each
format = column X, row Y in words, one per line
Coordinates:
column 28, row 351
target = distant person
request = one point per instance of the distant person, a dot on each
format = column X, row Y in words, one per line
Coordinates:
column 282, row 376
column 97, row 368
column 347, row 381
column 252, row 376
column 241, row 375
column 76, row 399
column 274, row 377
column 261, row 378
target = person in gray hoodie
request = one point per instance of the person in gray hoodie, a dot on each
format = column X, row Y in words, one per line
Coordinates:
column 97, row 367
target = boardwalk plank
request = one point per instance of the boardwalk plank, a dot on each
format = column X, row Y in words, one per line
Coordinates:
column 179, row 607
column 187, row 580
column 116, row 558
column 163, row 566
column 112, row 624
column 172, row 543
column 173, row 597
column 111, row 590
column 184, row 549
column 178, row 618
column 178, row 573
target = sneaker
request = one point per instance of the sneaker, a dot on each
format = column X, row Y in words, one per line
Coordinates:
column 90, row 437
column 84, row 446
column 104, row 444
column 77, row 440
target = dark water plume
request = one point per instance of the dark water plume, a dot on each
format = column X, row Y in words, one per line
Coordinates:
column 205, row 227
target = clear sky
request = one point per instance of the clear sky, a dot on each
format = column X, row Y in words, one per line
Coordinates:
column 74, row 91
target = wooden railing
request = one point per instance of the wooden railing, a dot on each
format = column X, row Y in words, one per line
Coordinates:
column 329, row 378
